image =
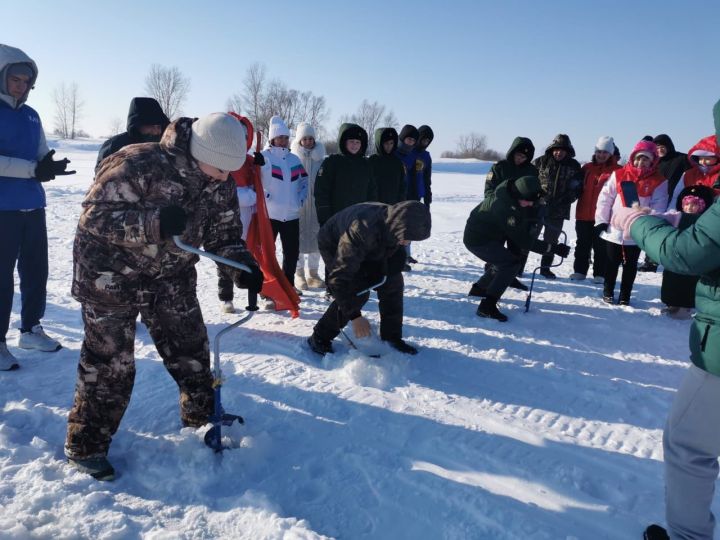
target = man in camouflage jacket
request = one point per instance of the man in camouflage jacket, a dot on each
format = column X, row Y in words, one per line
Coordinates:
column 562, row 179
column 125, row 263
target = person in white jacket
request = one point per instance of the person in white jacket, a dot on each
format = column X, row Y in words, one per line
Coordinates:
column 311, row 153
column 642, row 170
column 285, row 183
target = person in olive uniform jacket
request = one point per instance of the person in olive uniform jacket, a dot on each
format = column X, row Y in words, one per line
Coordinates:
column 386, row 168
column 344, row 178
column 562, row 179
column 360, row 245
column 504, row 215
column 517, row 163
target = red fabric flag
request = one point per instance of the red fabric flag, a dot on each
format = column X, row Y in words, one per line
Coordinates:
column 261, row 243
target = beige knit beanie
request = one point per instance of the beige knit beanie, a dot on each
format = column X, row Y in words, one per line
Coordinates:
column 219, row 140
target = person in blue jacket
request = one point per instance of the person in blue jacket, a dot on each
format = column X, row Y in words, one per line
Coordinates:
column 691, row 440
column 25, row 162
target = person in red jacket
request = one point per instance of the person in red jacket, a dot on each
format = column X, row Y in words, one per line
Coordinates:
column 704, row 159
column 596, row 174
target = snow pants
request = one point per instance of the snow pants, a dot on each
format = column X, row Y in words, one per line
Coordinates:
column 106, row 371
column 390, row 303
column 289, row 232
column 551, row 234
column 691, row 444
column 23, row 241
column 617, row 255
column 588, row 240
column 502, row 267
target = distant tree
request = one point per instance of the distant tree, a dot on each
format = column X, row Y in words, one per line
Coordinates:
column 115, row 126
column 261, row 99
column 370, row 116
column 68, row 110
column 169, row 86
column 473, row 145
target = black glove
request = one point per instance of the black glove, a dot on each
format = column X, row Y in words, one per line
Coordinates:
column 563, row 250
column 47, row 169
column 600, row 228
column 173, row 220
column 258, row 159
column 253, row 280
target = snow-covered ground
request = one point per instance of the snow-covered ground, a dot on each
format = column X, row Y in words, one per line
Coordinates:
column 546, row 427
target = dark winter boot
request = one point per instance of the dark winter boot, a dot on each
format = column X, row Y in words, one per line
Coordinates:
column 99, row 468
column 655, row 532
column 320, row 346
column 477, row 290
column 648, row 266
column 517, row 284
column 608, row 298
column 488, row 309
column 411, row 259
column 402, row 346
column 547, row 273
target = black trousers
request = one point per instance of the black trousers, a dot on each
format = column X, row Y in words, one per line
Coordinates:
column 551, row 233
column 501, row 268
column 289, row 232
column 588, row 240
column 627, row 256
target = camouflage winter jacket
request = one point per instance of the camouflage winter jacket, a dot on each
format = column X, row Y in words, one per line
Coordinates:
column 119, row 254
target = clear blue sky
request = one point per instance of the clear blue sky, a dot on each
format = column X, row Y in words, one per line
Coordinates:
column 504, row 68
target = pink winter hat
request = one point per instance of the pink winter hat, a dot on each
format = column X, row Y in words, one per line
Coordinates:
column 645, row 148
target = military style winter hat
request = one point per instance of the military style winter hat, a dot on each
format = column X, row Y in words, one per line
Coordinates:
column 278, row 128
column 409, row 130
column 605, row 144
column 528, row 188
column 219, row 140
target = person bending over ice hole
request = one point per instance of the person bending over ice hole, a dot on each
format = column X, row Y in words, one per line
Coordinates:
column 360, row 245
column 125, row 263
column 506, row 213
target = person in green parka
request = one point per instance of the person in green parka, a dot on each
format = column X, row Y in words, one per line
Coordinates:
column 386, row 168
column 344, row 178
column 691, row 440
column 505, row 215
column 517, row 163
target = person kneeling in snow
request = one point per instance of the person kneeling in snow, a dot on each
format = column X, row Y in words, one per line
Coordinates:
column 360, row 245
column 125, row 263
column 505, row 214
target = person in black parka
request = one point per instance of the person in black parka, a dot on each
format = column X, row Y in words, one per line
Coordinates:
column 146, row 122
column 345, row 178
column 386, row 168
